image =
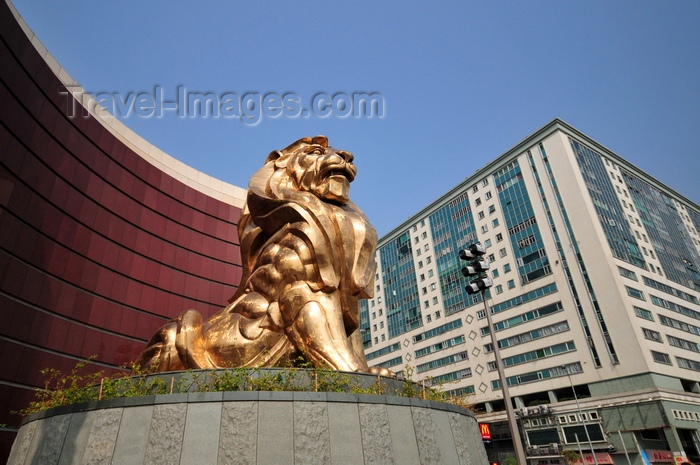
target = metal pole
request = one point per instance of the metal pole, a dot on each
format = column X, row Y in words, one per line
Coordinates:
column 510, row 413
column 578, row 407
column 580, row 451
column 624, row 447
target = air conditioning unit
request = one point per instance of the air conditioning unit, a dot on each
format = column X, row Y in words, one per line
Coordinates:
column 554, row 445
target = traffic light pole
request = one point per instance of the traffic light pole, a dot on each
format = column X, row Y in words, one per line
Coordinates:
column 510, row 412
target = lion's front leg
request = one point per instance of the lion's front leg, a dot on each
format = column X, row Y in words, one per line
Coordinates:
column 319, row 331
column 190, row 340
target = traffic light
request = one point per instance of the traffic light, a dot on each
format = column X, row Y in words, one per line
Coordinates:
column 476, row 268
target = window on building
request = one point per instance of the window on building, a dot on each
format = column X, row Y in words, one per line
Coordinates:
column 487, row 243
column 502, row 253
column 484, row 229
column 492, row 209
column 506, row 268
column 499, row 289
column 660, row 357
column 643, row 313
column 435, row 300
column 477, row 201
column 488, row 195
column 636, row 293
column 494, row 273
column 495, row 223
column 499, row 237
column 511, row 284
column 481, row 215
column 652, row 335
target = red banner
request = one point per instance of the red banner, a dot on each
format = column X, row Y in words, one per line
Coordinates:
column 603, row 458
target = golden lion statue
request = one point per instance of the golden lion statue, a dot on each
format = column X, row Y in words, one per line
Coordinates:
column 308, row 258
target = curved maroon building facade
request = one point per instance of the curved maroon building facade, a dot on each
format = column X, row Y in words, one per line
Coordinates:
column 103, row 238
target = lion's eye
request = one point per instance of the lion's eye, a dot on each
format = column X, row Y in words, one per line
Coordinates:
column 315, row 150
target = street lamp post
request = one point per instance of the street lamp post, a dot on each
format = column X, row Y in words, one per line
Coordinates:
column 476, row 268
column 510, row 412
column 578, row 407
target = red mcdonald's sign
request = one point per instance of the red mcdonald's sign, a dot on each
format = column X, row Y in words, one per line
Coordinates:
column 485, row 429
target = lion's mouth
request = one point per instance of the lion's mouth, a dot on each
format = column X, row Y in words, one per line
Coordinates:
column 345, row 170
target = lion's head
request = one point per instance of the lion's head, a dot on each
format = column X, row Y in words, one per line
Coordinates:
column 312, row 166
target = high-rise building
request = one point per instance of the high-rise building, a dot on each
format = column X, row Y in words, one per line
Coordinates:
column 103, row 237
column 596, row 277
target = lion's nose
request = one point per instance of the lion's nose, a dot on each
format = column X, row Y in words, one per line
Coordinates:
column 347, row 156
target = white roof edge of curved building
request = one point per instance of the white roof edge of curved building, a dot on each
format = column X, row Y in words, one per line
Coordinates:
column 193, row 178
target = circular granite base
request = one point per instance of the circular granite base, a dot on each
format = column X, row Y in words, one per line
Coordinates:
column 275, row 428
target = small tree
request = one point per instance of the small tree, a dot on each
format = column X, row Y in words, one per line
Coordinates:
column 571, row 456
column 510, row 460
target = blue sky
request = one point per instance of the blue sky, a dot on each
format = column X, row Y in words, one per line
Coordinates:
column 462, row 82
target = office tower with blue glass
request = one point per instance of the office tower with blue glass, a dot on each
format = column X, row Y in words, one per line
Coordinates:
column 596, row 277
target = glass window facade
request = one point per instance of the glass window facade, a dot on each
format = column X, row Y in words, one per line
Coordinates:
column 402, row 304
column 672, row 244
column 520, row 220
column 452, row 228
column 621, row 239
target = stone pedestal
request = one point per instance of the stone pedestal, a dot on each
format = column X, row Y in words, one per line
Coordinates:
column 270, row 428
